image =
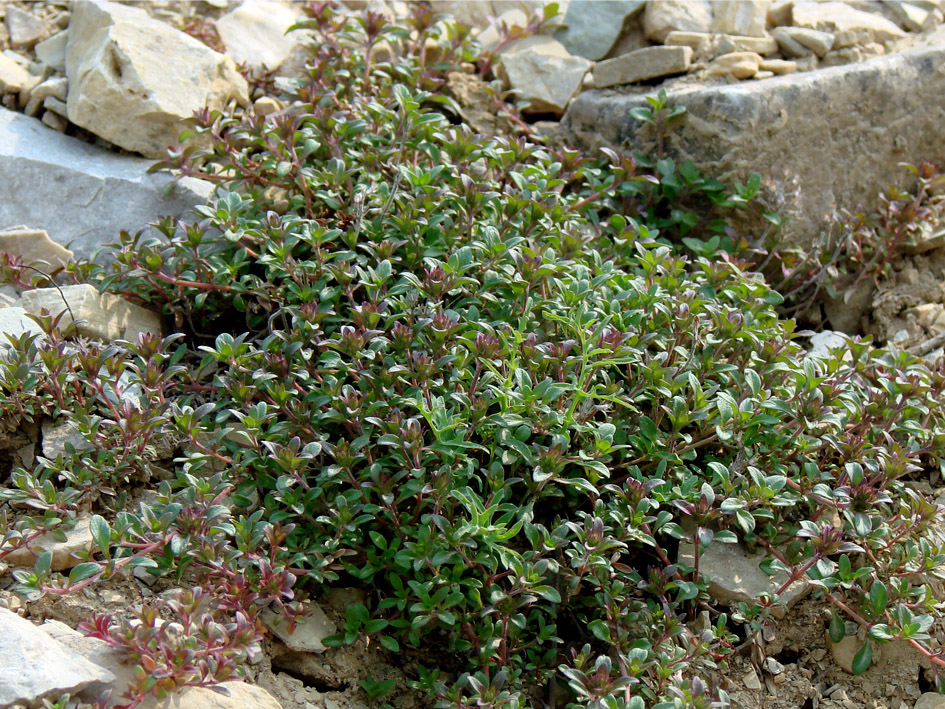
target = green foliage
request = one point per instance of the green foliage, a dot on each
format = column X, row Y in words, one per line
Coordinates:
column 493, row 382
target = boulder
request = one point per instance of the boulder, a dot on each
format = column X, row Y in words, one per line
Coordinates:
column 540, row 71
column 827, row 140
column 740, row 17
column 850, row 26
column 661, row 18
column 133, row 79
column 646, row 63
column 593, row 26
column 101, row 316
column 33, row 666
column 254, row 33
column 33, row 246
column 78, row 539
column 309, row 630
column 79, row 194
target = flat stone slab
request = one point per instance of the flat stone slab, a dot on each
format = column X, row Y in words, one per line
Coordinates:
column 81, row 195
column 823, row 140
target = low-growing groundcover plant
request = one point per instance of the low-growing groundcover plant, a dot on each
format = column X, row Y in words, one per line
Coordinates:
column 480, row 378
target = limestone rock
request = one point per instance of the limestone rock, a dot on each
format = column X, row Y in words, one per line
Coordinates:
column 844, row 651
column 57, row 435
column 309, row 631
column 778, row 66
column 646, row 63
column 489, row 37
column 254, row 32
column 33, row 665
column 32, row 246
column 104, row 316
column 823, row 342
column 81, row 195
column 713, row 45
column 473, row 14
column 133, row 79
column 739, row 65
column 910, row 16
column 850, row 26
column 930, row 700
column 931, row 316
column 593, row 26
column 541, row 71
column 52, row 51
column 734, row 574
column 661, row 18
column 12, row 76
column 78, row 539
column 740, row 17
column 858, row 122
column 800, row 41
column 24, row 28
column 14, row 323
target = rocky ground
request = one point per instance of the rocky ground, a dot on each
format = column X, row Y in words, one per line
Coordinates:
column 94, row 91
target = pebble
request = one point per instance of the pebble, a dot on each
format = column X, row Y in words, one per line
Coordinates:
column 740, row 65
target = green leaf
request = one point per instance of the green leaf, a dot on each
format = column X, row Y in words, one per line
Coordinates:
column 389, row 643
column 548, row 593
column 863, row 658
column 878, row 597
column 101, row 533
column 43, row 562
column 836, row 629
column 83, row 571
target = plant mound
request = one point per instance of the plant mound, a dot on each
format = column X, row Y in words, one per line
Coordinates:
column 481, row 379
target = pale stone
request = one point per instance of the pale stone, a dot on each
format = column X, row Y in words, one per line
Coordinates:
column 850, row 26
column 59, row 437
column 823, row 342
column 931, row 316
column 489, row 37
column 759, row 45
column 778, row 66
column 57, row 106
column 813, row 40
column 740, row 17
column 734, row 575
column 751, row 681
column 101, row 315
column 760, row 74
column 52, row 51
column 265, row 105
column 542, row 72
column 12, row 75
column 14, row 323
column 310, row 630
column 80, row 195
column 33, row 245
column 24, row 28
column 779, row 13
column 473, row 14
column 34, row 666
column 593, row 26
column 134, row 79
column 914, row 18
column 647, row 63
column 739, row 65
column 78, row 539
column 661, row 18
column 844, row 651
column 254, row 32
column 52, row 119
column 696, row 40
column 930, row 700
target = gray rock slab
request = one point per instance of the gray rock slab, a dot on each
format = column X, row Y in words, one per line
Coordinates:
column 64, row 553
column 33, row 665
column 593, row 26
column 823, row 140
column 103, row 316
column 81, row 195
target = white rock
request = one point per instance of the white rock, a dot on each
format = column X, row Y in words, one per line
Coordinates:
column 740, row 17
column 309, row 631
column 930, row 700
column 541, row 71
column 913, row 17
column 24, row 28
column 102, row 315
column 78, row 539
column 13, row 322
column 850, row 26
column 254, row 32
column 810, row 40
column 133, row 79
column 52, row 51
column 778, row 66
column 823, row 342
column 931, row 316
column 734, row 575
column 646, row 63
column 738, row 43
column 56, row 436
column 593, row 26
column 739, row 65
column 80, row 195
column 32, row 246
column 34, row 666
column 473, row 14
column 661, row 18
column 489, row 37
column 54, row 119
column 12, row 75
